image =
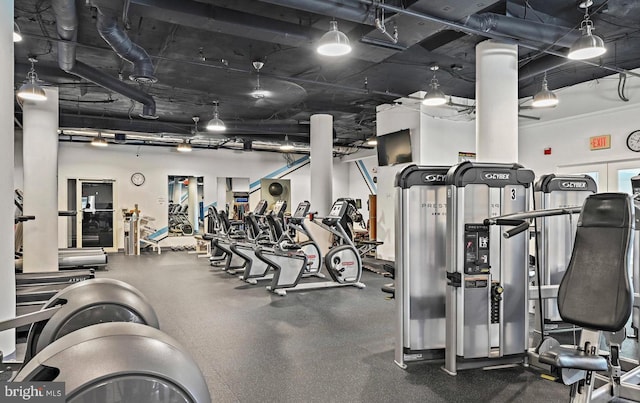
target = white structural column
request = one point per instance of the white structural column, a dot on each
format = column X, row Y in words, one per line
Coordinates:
column 193, row 202
column 7, row 269
column 40, row 158
column 321, row 163
column 496, row 102
column 177, row 190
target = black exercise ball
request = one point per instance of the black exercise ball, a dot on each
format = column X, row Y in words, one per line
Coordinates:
column 275, row 189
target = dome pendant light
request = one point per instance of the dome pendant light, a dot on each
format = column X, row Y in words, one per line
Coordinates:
column 434, row 96
column 17, row 35
column 544, row 98
column 588, row 45
column 334, row 42
column 215, row 124
column 30, row 90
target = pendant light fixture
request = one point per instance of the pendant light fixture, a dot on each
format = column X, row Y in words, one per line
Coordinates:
column 30, row 90
column 99, row 141
column 184, row 147
column 334, row 42
column 286, row 146
column 17, row 35
column 544, row 98
column 434, row 96
column 215, row 124
column 588, row 45
column 258, row 92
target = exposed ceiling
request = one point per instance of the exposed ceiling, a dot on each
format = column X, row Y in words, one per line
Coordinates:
column 202, row 51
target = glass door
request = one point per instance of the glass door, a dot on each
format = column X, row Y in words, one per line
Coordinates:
column 620, row 174
column 95, row 222
column 610, row 177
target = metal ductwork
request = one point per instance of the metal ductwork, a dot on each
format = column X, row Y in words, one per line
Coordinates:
column 203, row 16
column 67, row 28
column 525, row 30
column 348, row 11
column 107, row 24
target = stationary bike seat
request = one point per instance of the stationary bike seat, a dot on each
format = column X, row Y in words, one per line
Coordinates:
column 289, row 245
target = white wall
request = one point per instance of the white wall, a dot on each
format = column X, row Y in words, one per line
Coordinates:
column 437, row 135
column 118, row 162
column 585, row 110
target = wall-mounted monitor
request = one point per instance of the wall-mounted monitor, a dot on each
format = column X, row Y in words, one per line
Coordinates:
column 394, row 148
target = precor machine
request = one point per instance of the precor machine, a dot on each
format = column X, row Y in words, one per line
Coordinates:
column 420, row 284
column 233, row 262
column 556, row 233
column 68, row 258
column 487, row 287
column 100, row 338
column 342, row 261
column 256, row 269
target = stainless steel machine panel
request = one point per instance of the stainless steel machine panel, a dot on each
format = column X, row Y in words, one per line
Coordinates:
column 425, row 266
column 514, row 275
column 420, row 270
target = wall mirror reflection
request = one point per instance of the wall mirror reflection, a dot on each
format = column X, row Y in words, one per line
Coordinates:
column 186, row 205
column 234, row 193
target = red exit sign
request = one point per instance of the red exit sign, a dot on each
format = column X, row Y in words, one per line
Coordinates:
column 600, row 142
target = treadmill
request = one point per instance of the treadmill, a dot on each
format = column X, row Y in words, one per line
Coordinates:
column 68, row 258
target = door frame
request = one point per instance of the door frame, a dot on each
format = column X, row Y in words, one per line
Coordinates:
column 79, row 212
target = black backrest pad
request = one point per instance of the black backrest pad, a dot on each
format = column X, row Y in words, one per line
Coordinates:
column 595, row 291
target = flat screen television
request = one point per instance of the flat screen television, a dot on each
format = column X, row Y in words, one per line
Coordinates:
column 394, row 148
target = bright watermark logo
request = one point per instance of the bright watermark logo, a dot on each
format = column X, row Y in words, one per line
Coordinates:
column 37, row 392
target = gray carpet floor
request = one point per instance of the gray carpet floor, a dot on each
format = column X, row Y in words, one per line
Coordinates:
column 332, row 345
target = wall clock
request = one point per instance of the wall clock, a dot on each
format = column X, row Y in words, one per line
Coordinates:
column 633, row 141
column 137, row 179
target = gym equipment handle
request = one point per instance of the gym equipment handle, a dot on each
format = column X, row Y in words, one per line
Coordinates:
column 523, row 226
column 519, row 225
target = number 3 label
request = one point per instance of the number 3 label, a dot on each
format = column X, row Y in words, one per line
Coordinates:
column 513, row 194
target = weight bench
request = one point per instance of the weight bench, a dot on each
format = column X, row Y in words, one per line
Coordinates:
column 596, row 294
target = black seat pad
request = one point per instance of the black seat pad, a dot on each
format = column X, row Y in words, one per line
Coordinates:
column 595, row 291
column 389, row 288
column 289, row 245
column 569, row 357
column 208, row 237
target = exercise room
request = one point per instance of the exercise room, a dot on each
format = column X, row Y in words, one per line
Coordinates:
column 320, row 201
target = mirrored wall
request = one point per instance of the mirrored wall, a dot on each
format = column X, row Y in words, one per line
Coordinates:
column 186, row 205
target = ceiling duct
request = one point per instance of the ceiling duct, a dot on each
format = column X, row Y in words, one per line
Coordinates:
column 67, row 28
column 521, row 29
column 107, row 24
column 354, row 12
column 230, row 22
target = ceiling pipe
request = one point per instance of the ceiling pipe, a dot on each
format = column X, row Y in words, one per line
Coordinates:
column 348, row 11
column 67, row 28
column 524, row 42
column 523, row 29
column 107, row 24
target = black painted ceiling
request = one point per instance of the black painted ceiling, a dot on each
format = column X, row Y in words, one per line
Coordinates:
column 203, row 52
